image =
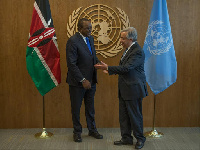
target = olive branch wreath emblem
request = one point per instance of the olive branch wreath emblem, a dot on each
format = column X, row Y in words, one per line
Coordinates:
column 71, row 30
column 156, row 51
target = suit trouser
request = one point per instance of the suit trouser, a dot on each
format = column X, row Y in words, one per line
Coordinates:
column 131, row 119
column 77, row 94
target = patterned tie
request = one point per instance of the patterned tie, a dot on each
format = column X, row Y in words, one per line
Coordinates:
column 88, row 44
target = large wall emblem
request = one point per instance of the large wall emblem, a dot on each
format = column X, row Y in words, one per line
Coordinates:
column 106, row 26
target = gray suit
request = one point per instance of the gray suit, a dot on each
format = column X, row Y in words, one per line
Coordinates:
column 131, row 89
column 80, row 63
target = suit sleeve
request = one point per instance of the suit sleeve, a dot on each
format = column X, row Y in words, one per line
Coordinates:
column 72, row 56
column 97, row 60
column 132, row 61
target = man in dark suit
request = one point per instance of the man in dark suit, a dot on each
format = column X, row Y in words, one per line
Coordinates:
column 131, row 87
column 82, row 77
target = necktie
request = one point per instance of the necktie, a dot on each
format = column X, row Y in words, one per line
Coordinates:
column 88, row 44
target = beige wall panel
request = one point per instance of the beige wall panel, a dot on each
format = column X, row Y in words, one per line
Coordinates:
column 21, row 104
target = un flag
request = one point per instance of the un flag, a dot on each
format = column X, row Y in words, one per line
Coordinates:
column 160, row 60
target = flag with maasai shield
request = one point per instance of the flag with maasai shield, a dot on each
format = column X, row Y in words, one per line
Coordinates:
column 160, row 60
column 42, row 55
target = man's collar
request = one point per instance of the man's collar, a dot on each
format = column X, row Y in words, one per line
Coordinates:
column 132, row 45
column 84, row 38
column 82, row 35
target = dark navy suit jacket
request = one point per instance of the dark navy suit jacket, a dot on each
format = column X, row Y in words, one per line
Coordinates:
column 132, row 80
column 80, row 61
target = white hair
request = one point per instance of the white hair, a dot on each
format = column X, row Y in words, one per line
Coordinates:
column 131, row 33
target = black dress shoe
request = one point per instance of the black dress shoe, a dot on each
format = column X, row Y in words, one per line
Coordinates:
column 123, row 142
column 77, row 138
column 96, row 135
column 139, row 145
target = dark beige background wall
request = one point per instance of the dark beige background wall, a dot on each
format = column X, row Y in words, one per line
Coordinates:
column 21, row 104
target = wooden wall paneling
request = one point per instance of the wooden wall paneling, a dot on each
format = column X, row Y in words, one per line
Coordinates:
column 21, row 104
column 178, row 103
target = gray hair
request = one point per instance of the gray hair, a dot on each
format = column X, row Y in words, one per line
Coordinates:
column 132, row 33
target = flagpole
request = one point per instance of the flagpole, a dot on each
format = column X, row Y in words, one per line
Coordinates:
column 44, row 134
column 153, row 133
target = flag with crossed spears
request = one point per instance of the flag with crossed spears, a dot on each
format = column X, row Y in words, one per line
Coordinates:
column 42, row 55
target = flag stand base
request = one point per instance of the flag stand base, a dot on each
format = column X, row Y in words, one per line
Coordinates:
column 44, row 134
column 153, row 134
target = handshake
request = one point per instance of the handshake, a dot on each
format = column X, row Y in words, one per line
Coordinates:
column 102, row 66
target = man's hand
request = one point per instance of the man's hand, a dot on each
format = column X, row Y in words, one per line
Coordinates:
column 86, row 84
column 105, row 71
column 102, row 66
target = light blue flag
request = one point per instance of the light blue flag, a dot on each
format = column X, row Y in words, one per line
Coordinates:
column 160, row 60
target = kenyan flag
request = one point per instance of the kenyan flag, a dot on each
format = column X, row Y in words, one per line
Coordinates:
column 42, row 55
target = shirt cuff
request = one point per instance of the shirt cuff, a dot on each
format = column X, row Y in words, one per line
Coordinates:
column 82, row 80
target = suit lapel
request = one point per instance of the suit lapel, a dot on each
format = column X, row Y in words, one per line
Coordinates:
column 82, row 42
column 131, row 50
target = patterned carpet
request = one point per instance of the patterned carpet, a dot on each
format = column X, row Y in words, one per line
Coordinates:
column 62, row 139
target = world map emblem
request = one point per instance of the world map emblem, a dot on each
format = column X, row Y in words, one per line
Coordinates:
column 158, row 38
column 106, row 26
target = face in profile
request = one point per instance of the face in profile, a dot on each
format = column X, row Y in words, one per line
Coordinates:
column 125, row 42
column 87, row 29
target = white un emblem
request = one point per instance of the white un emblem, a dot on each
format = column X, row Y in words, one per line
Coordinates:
column 158, row 38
